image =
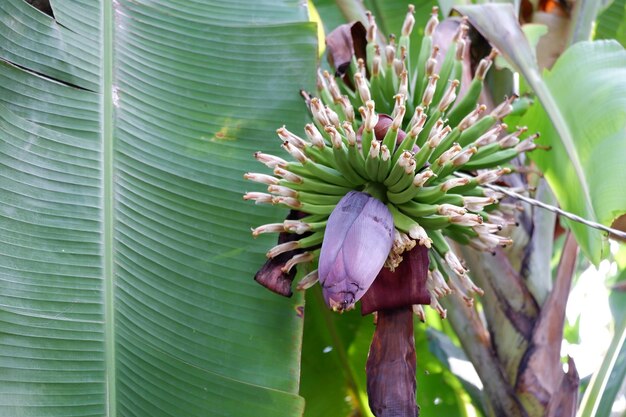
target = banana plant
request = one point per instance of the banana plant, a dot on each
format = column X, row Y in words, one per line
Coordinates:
column 516, row 350
column 127, row 262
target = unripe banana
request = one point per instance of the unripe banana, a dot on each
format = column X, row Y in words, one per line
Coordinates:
column 324, row 173
column 465, row 105
column 312, row 185
column 322, row 156
column 318, row 199
column 429, row 195
column 343, row 165
column 434, row 222
column 457, row 234
column 498, row 158
column 444, row 74
column 473, row 132
column 415, row 209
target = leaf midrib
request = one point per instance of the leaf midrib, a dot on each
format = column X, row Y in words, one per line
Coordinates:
column 107, row 198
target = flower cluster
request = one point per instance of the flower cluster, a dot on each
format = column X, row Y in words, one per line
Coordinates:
column 397, row 157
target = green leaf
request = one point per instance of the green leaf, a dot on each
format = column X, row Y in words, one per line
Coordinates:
column 127, row 263
column 330, row 14
column 611, row 23
column 330, row 384
column 455, row 360
column 606, row 384
column 439, row 392
column 587, row 83
column 390, row 15
column 578, row 119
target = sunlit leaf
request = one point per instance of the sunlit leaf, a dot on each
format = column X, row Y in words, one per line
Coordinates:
column 606, row 384
column 611, row 23
column 607, row 381
column 330, row 14
column 588, row 87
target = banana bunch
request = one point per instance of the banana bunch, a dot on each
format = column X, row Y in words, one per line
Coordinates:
column 374, row 183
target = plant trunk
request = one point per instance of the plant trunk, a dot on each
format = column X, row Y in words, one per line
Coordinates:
column 516, row 348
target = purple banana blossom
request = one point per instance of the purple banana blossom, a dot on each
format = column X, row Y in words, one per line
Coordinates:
column 358, row 238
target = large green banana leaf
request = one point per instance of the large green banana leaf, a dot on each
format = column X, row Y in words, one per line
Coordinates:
column 126, row 261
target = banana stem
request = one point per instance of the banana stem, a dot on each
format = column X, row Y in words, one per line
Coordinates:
column 391, row 365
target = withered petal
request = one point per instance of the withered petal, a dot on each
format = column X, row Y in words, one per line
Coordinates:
column 403, row 287
column 270, row 275
column 341, row 44
column 273, row 278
